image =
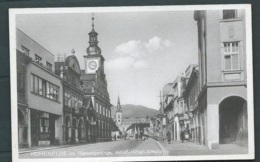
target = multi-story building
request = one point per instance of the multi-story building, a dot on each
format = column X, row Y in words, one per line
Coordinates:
column 178, row 106
column 39, row 94
column 222, row 76
column 190, row 96
column 78, row 113
column 167, row 103
column 94, row 84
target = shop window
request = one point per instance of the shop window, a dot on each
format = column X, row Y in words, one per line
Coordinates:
column 44, row 125
column 231, row 56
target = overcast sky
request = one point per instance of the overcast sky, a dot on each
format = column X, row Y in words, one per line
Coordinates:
column 143, row 50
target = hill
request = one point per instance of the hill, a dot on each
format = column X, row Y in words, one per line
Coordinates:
column 135, row 111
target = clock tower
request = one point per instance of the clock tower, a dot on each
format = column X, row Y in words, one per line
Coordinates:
column 94, row 85
column 93, row 60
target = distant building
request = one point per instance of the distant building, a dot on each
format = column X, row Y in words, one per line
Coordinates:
column 173, row 104
column 222, row 76
column 39, row 95
column 124, row 123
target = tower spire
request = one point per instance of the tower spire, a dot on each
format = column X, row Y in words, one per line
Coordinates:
column 93, row 22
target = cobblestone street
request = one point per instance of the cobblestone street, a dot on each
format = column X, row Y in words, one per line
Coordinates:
column 104, row 149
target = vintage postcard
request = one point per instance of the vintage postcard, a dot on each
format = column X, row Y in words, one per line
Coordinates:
column 144, row 83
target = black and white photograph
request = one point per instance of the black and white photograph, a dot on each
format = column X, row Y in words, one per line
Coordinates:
column 132, row 83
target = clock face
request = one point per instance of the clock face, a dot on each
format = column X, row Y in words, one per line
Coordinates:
column 92, row 65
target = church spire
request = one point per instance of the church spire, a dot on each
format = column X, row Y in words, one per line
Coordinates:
column 118, row 104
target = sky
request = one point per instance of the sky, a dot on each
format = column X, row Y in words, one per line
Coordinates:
column 143, row 51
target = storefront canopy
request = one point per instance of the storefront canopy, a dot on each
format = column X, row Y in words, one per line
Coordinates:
column 140, row 125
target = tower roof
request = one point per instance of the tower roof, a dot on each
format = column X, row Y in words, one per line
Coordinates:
column 93, row 30
column 93, row 48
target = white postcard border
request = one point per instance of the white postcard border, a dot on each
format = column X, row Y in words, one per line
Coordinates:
column 13, row 78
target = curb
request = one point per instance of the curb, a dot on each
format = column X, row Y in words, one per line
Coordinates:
column 165, row 152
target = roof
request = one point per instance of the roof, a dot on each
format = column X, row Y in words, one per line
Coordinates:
column 167, row 88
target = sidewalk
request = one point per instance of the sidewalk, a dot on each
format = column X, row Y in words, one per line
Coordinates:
column 192, row 148
column 44, row 148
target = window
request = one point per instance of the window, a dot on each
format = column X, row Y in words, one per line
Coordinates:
column 44, row 88
column 231, row 56
column 44, row 125
column 38, row 59
column 49, row 65
column 100, row 110
column 73, row 101
column 229, row 14
column 20, row 81
column 97, row 107
column 26, row 50
column 66, row 99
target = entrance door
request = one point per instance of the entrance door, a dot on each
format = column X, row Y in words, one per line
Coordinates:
column 34, row 127
column 22, row 130
column 52, row 129
column 231, row 115
column 73, row 135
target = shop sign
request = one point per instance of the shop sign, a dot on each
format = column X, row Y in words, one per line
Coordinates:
column 164, row 121
column 93, row 123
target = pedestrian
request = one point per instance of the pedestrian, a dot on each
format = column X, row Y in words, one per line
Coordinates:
column 182, row 134
column 169, row 137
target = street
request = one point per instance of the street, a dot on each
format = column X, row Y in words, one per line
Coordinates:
column 177, row 148
column 104, row 149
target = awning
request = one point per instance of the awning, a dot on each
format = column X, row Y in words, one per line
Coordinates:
column 140, row 125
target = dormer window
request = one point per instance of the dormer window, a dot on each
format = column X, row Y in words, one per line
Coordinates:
column 230, row 14
column 26, row 50
column 49, row 65
column 38, row 59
